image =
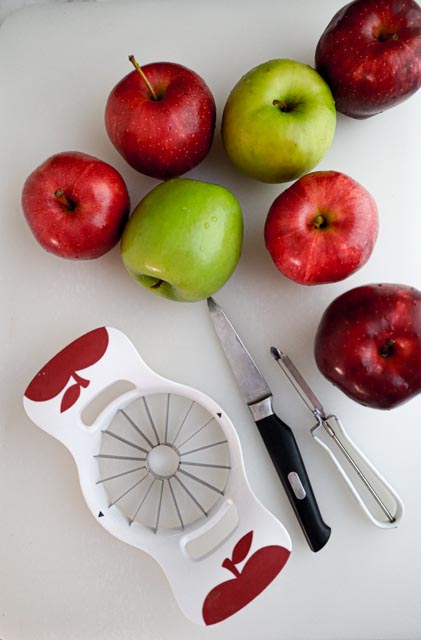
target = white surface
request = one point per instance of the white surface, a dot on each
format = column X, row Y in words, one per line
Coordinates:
column 62, row 575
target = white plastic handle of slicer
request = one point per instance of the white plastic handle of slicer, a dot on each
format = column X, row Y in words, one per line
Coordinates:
column 191, row 579
column 369, row 470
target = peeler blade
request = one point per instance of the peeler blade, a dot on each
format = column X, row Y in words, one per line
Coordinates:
column 298, row 382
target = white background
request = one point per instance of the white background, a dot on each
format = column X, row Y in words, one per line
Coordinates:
column 61, row 574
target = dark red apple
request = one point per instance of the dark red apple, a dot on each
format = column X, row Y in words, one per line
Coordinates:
column 54, row 376
column 370, row 55
column 258, row 572
column 368, row 344
column 322, row 228
column 161, row 118
column 76, row 205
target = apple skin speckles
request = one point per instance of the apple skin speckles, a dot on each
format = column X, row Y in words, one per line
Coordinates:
column 370, row 55
column 76, row 205
column 322, row 228
column 278, row 121
column 368, row 344
column 184, row 239
column 164, row 137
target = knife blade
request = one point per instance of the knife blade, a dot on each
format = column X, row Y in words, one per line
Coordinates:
column 276, row 434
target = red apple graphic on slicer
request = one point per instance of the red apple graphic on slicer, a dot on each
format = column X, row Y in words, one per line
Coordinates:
column 54, row 376
column 258, row 572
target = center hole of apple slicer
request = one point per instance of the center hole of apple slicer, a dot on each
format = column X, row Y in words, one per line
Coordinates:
column 163, row 461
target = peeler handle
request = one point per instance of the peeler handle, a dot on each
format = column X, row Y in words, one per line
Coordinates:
column 379, row 501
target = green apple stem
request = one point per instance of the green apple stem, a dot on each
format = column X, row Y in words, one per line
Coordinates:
column 282, row 104
column 140, row 70
column 64, row 200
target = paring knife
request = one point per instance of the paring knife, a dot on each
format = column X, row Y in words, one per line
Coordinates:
column 277, row 436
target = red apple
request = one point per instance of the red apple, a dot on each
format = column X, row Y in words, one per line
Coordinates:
column 54, row 376
column 258, row 572
column 161, row 118
column 370, row 55
column 76, row 205
column 322, row 228
column 368, row 344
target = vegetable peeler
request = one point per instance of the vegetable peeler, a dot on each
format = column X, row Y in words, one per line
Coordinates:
column 379, row 501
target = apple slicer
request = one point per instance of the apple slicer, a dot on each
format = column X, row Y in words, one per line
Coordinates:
column 161, row 468
column 379, row 501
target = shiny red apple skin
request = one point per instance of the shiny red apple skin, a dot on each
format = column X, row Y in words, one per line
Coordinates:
column 92, row 221
column 322, row 228
column 370, row 55
column 368, row 344
column 167, row 137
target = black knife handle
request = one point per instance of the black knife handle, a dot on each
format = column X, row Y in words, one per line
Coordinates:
column 286, row 457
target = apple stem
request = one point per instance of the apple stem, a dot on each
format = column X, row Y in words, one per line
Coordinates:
column 320, row 222
column 387, row 349
column 228, row 564
column 140, row 70
column 384, row 36
column 283, row 105
column 64, row 200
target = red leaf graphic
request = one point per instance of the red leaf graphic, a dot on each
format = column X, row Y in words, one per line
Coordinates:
column 70, row 397
column 242, row 548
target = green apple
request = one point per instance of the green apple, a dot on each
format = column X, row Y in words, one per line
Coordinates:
column 183, row 240
column 278, row 121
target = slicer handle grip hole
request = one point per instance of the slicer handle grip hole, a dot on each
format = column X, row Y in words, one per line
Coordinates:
column 99, row 402
column 216, row 533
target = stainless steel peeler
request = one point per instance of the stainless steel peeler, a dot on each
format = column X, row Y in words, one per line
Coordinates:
column 376, row 497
